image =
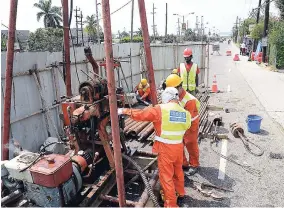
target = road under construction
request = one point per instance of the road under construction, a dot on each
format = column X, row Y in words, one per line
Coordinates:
column 105, row 159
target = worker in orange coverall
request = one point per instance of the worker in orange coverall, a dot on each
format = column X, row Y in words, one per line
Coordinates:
column 192, row 105
column 143, row 90
column 170, row 123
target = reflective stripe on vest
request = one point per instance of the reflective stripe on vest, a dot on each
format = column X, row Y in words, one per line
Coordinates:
column 189, row 97
column 188, row 78
column 175, row 121
column 144, row 88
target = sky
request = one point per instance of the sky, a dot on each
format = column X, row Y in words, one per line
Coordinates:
column 219, row 13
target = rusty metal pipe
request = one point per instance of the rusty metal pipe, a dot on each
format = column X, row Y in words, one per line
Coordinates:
column 143, row 130
column 148, row 130
column 128, row 120
column 67, row 47
column 145, row 196
column 133, row 127
column 146, row 41
column 128, row 126
column 8, row 79
column 134, row 132
column 145, row 153
column 112, row 199
column 113, row 102
column 89, row 56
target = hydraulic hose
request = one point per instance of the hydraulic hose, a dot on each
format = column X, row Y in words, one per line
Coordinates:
column 145, row 181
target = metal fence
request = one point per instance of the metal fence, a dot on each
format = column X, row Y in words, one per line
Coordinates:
column 29, row 126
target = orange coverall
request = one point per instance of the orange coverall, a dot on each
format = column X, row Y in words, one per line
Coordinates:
column 169, row 156
column 144, row 92
column 190, row 138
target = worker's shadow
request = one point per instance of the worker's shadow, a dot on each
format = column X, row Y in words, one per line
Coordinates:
column 209, row 175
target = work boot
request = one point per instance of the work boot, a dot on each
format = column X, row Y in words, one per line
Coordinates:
column 191, row 171
column 185, row 167
column 180, row 201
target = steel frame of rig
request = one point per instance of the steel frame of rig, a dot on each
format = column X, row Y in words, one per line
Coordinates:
column 83, row 168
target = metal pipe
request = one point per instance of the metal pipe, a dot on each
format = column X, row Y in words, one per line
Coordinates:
column 89, row 56
column 9, row 77
column 67, row 47
column 147, row 48
column 113, row 103
column 11, row 197
column 134, row 132
column 115, row 200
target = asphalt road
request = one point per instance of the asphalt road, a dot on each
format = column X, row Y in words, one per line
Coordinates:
column 242, row 100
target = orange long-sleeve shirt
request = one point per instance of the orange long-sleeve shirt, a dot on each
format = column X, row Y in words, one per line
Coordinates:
column 151, row 114
column 190, row 106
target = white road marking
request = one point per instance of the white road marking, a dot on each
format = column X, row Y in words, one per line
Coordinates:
column 229, row 88
column 223, row 162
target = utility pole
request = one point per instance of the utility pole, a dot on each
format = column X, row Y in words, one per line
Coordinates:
column 154, row 26
column 257, row 21
column 265, row 30
column 82, row 32
column 77, row 30
column 236, row 32
column 166, row 29
column 98, row 25
column 196, row 24
column 132, row 14
column 202, row 29
column 178, row 30
column 258, row 12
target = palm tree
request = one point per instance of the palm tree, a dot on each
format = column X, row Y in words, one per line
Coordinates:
column 51, row 14
column 91, row 27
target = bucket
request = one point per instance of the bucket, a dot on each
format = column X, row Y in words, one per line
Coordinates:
column 253, row 122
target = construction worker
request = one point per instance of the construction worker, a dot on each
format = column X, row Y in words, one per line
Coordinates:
column 170, row 123
column 143, row 90
column 188, row 72
column 192, row 105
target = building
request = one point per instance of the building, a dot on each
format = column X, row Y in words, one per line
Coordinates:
column 21, row 39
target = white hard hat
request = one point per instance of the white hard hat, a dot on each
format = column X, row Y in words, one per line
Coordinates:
column 170, row 93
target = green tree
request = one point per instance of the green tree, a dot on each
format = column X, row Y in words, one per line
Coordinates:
column 3, row 42
column 91, row 27
column 276, row 41
column 257, row 31
column 52, row 16
column 244, row 27
column 280, row 6
column 139, row 32
column 46, row 39
column 124, row 34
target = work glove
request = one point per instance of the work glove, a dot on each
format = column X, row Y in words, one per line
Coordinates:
column 120, row 111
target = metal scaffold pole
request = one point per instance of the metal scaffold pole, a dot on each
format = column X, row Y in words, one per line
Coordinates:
column 146, row 41
column 113, row 103
column 67, row 47
column 8, row 78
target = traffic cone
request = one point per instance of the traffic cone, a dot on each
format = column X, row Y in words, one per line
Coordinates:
column 228, row 53
column 236, row 58
column 214, row 87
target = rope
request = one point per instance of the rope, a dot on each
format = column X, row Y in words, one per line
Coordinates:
column 247, row 168
column 246, row 142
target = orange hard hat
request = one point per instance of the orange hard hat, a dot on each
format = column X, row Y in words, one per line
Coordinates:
column 187, row 52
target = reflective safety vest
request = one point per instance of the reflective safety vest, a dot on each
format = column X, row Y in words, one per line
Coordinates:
column 187, row 98
column 143, row 88
column 188, row 78
column 175, row 122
